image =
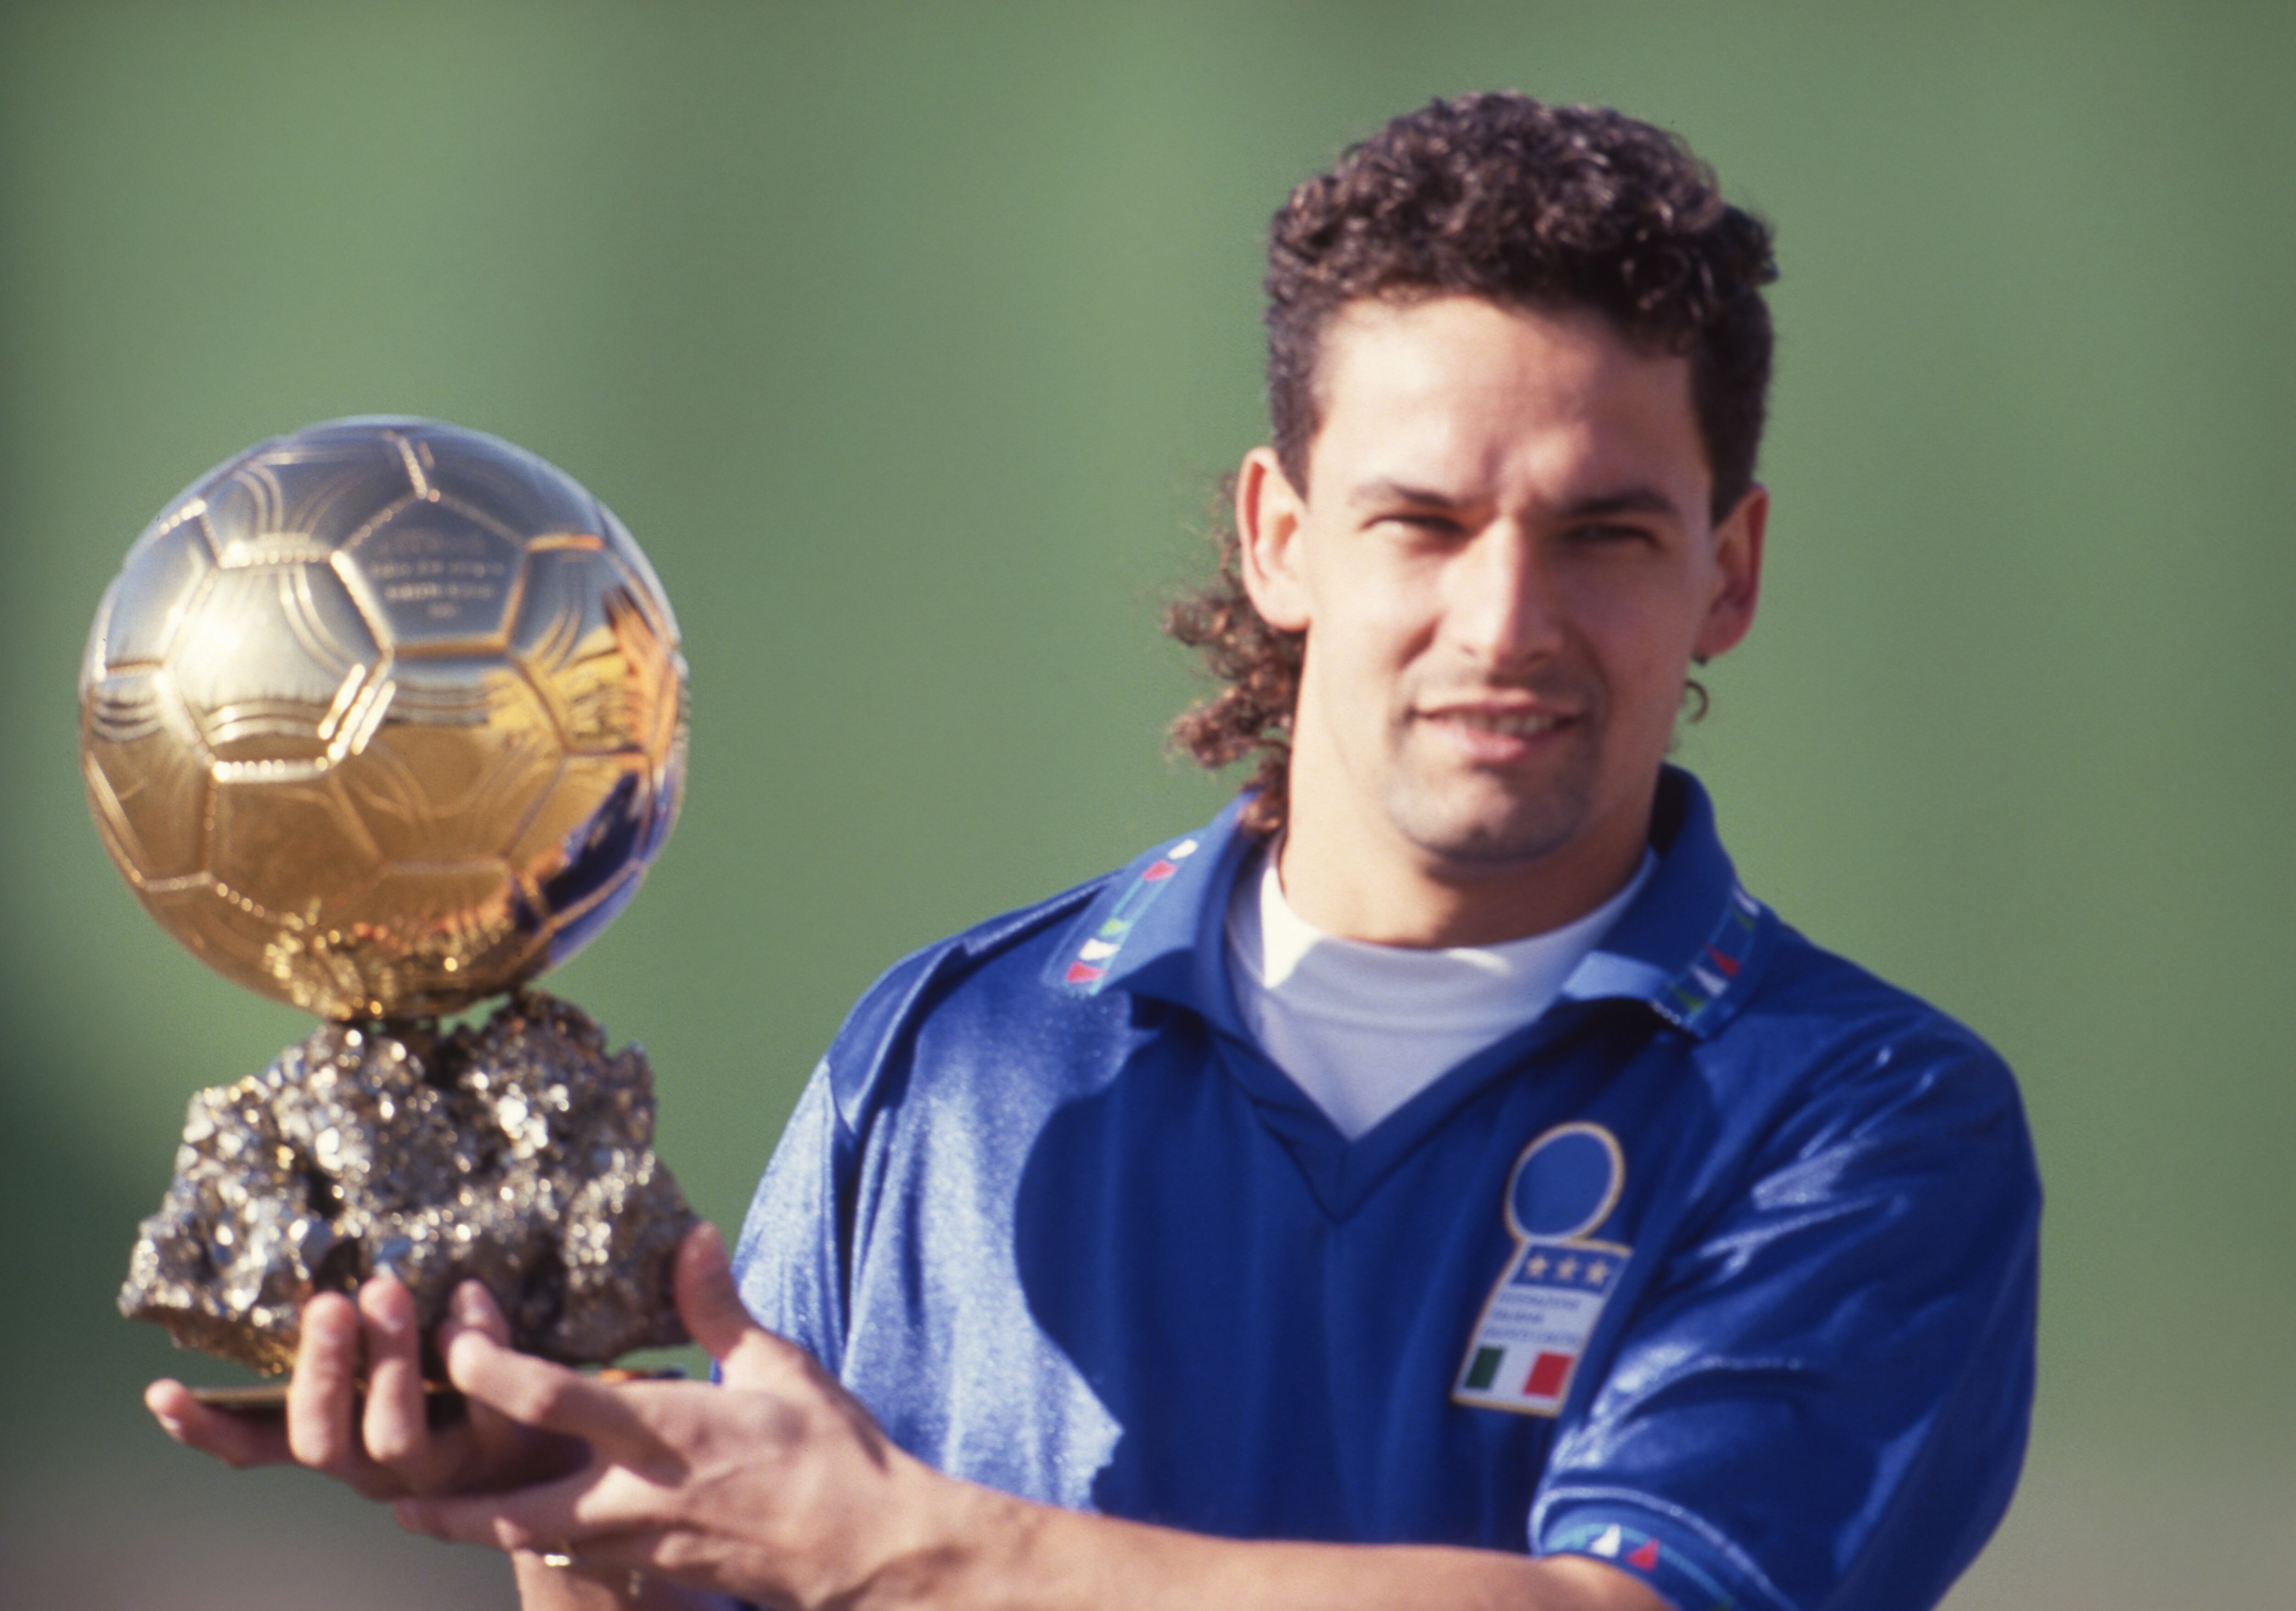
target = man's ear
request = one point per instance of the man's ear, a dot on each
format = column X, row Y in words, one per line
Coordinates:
column 1738, row 574
column 1268, row 516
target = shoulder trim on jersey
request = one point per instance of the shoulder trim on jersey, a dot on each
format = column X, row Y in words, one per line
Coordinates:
column 1694, row 943
column 1082, row 969
column 1135, row 929
column 890, row 1007
column 1704, row 990
column 1002, row 933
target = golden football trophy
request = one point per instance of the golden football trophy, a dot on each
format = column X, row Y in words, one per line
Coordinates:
column 382, row 718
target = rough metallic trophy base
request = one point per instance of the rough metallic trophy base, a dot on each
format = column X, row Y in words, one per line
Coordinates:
column 517, row 1153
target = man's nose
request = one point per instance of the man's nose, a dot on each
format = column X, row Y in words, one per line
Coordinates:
column 1503, row 605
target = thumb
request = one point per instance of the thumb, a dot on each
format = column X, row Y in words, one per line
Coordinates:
column 709, row 1303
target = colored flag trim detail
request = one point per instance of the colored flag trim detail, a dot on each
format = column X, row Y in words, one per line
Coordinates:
column 1665, row 1566
column 1693, row 992
column 1088, row 968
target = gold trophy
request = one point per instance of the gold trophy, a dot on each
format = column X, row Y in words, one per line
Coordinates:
column 382, row 718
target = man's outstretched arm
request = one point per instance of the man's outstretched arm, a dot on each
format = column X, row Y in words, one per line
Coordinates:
column 777, row 1487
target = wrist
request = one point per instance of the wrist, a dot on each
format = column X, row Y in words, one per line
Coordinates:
column 957, row 1545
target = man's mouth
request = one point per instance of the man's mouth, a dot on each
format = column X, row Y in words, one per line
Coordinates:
column 1497, row 733
column 1512, row 723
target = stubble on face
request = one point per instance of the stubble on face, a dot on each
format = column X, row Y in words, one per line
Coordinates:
column 1490, row 814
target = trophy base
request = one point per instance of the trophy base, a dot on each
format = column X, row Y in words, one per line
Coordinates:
column 517, row 1153
column 443, row 1403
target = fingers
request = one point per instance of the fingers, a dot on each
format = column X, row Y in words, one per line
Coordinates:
column 488, row 1450
column 234, row 1440
column 710, row 1304
column 708, row 1301
column 473, row 1308
column 595, row 1503
column 537, row 1393
column 393, row 1426
column 320, row 1394
column 385, row 1447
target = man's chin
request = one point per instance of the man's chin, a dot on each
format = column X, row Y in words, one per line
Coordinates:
column 1489, row 841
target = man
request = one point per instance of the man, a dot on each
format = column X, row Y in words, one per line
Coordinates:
column 1436, row 1182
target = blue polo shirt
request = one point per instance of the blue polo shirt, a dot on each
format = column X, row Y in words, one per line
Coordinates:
column 1722, row 1270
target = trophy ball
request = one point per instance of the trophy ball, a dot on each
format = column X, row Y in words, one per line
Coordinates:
column 383, row 717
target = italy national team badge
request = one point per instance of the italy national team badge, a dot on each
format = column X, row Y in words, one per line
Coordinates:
column 1547, row 1301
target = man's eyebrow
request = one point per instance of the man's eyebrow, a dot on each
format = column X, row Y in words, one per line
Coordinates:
column 1639, row 499
column 1383, row 491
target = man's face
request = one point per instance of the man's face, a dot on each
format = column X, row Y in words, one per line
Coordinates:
column 1503, row 566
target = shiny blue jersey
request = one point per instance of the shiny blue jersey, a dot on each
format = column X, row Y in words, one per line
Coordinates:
column 1722, row 1270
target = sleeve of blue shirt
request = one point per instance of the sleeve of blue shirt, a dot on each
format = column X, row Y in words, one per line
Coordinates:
column 1821, row 1402
column 789, row 1255
column 799, row 1232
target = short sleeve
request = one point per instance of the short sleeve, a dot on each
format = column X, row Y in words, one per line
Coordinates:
column 794, row 1260
column 788, row 1262
column 1822, row 1399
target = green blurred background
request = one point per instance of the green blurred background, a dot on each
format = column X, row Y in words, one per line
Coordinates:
column 911, row 339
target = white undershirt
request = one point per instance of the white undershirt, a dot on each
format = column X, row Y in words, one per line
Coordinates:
column 1363, row 1028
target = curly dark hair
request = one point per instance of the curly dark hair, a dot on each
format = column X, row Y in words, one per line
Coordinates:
column 1502, row 197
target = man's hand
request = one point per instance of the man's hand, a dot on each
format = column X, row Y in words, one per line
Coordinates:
column 386, row 1451
column 775, row 1486
column 778, row 1488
